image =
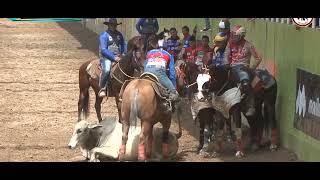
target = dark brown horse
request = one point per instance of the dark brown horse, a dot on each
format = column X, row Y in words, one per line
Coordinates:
column 263, row 119
column 140, row 101
column 120, row 72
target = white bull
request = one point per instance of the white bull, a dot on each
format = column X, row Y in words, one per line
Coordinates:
column 103, row 140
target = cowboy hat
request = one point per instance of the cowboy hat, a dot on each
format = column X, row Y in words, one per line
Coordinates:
column 112, row 21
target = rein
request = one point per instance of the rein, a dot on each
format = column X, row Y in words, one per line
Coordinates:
column 130, row 77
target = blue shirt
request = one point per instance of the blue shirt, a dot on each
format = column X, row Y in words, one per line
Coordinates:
column 218, row 58
column 161, row 57
column 106, row 40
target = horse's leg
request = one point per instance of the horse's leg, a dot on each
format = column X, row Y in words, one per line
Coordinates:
column 219, row 125
column 125, row 131
column 98, row 102
column 236, row 116
column 98, row 107
column 204, row 115
column 229, row 130
column 149, row 144
column 269, row 109
column 201, row 137
column 118, row 103
column 165, row 137
column 143, row 137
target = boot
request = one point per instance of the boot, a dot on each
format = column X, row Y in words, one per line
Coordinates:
column 103, row 85
column 248, row 95
column 173, row 99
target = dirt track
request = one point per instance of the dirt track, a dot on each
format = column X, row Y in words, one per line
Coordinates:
column 39, row 92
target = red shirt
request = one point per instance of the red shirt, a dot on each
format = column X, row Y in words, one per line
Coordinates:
column 190, row 54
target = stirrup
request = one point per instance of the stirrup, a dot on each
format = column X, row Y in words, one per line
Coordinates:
column 102, row 90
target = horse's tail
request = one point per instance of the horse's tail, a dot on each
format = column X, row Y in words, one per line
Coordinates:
column 134, row 107
column 84, row 88
column 86, row 105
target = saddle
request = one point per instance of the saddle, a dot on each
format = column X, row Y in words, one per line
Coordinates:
column 94, row 69
column 161, row 91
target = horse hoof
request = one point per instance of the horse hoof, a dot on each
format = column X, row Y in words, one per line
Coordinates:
column 94, row 160
column 239, row 154
column 254, row 147
column 273, row 147
column 204, row 154
column 215, row 154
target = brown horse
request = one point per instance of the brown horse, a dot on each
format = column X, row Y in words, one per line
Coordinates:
column 142, row 101
column 120, row 72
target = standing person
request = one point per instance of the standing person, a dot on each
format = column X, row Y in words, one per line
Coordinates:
column 147, row 27
column 173, row 45
column 187, row 36
column 111, row 48
column 208, row 26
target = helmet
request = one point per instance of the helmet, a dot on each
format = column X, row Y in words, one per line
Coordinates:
column 224, row 24
column 220, row 37
column 239, row 31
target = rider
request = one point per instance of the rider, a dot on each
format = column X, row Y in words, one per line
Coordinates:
column 147, row 27
column 157, row 62
column 224, row 26
column 111, row 48
column 237, row 55
column 220, row 42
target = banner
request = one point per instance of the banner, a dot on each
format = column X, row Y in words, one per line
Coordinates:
column 307, row 112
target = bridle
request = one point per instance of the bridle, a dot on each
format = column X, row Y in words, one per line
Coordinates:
column 130, row 77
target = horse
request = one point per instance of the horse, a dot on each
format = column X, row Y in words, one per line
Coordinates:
column 222, row 81
column 120, row 72
column 142, row 101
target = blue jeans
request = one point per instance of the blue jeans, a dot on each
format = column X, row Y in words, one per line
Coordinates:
column 240, row 74
column 106, row 67
column 162, row 76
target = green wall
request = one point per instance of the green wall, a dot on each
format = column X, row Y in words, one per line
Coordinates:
column 286, row 48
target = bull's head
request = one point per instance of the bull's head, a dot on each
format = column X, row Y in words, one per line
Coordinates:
column 81, row 133
column 203, row 86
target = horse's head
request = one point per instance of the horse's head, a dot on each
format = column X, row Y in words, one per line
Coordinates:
column 219, row 75
column 164, row 34
column 180, row 67
column 155, row 40
column 135, row 43
column 135, row 56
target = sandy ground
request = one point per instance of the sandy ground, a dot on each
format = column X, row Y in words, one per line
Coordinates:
column 39, row 65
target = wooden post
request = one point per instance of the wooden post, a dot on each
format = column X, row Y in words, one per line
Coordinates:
column 314, row 23
column 288, row 21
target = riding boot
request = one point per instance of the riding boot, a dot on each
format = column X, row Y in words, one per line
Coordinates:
column 249, row 98
column 103, row 85
column 174, row 98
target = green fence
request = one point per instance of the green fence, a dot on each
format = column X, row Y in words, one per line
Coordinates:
column 284, row 48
